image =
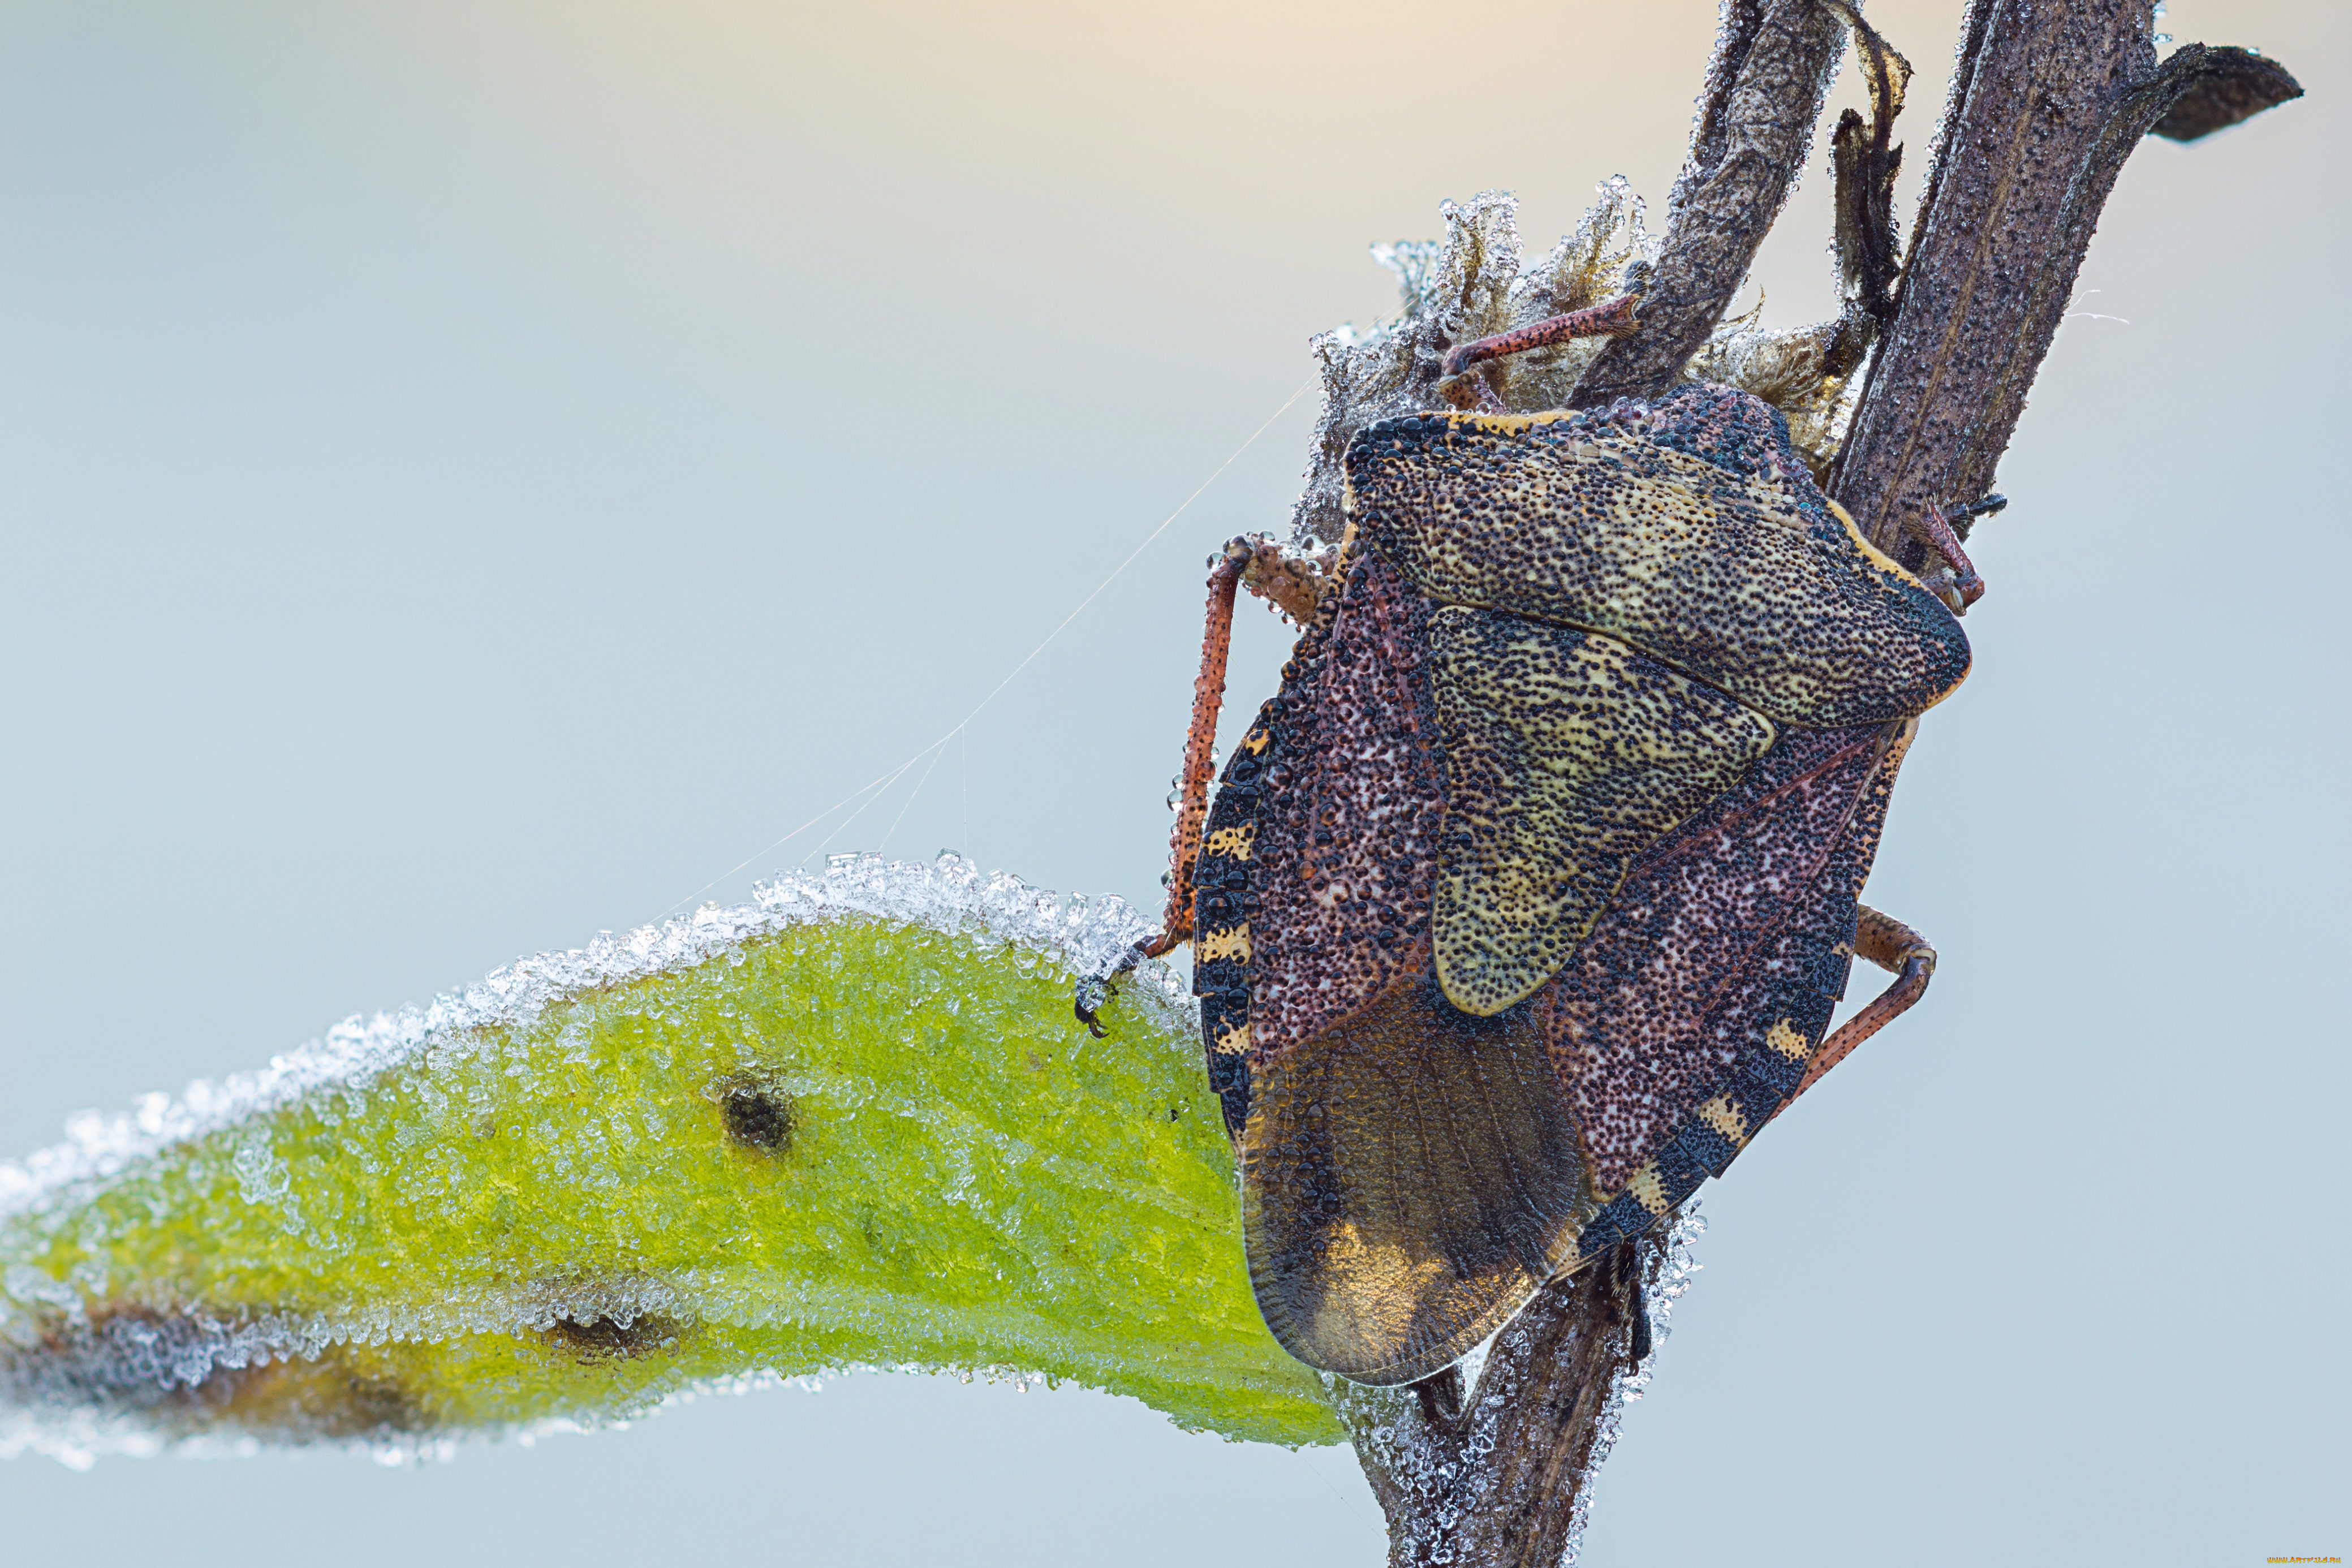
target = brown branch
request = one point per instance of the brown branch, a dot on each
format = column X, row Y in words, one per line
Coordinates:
column 2048, row 101
column 1771, row 69
column 1505, row 1483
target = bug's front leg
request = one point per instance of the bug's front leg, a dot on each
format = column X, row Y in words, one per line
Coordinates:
column 1192, row 787
column 1611, row 318
column 1903, row 953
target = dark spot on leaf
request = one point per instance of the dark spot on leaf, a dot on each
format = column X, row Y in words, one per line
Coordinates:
column 111, row 1361
column 759, row 1117
column 605, row 1338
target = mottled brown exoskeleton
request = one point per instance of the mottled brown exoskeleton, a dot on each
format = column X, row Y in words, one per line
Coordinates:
column 1526, row 901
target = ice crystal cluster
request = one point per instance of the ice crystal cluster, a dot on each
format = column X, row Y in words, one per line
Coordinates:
column 1468, row 285
column 1440, row 1477
column 853, row 1124
column 1472, row 284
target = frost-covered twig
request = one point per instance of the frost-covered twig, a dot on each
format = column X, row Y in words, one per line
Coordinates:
column 2048, row 101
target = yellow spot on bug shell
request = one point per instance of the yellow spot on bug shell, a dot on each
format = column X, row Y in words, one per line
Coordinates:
column 1648, row 1190
column 1232, row 942
column 1235, row 1041
column 1724, row 1114
column 1232, row 842
column 1503, row 424
column 1256, row 741
column 1788, row 1042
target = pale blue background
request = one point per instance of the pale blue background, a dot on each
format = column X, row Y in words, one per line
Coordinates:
column 471, row 473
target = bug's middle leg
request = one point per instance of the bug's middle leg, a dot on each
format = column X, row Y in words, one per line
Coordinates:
column 1193, row 784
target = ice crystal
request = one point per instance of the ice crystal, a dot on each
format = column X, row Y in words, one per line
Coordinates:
column 1470, row 284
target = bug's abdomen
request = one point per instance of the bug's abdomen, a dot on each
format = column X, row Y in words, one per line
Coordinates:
column 1663, row 1125
column 1221, row 906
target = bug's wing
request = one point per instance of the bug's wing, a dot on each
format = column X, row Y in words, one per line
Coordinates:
column 1410, row 1177
column 1410, row 1174
column 1344, row 806
column 1688, row 1018
column 1566, row 755
column 1695, row 535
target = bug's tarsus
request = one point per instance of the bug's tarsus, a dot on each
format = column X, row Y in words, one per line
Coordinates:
column 1957, row 583
column 1896, row 948
column 1975, row 509
column 1095, row 989
column 1625, row 1278
column 1445, row 1399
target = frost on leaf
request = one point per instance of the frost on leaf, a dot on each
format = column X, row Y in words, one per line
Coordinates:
column 853, row 1124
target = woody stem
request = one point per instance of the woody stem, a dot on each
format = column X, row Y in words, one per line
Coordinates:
column 2047, row 100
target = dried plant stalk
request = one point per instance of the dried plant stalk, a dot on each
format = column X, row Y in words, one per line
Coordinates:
column 2048, row 100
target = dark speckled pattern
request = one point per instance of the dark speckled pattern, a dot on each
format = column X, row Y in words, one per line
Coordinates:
column 1643, row 1022
column 1740, row 575
column 1348, row 852
column 1412, row 1171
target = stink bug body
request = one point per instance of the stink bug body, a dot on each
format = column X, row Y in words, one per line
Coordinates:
column 1526, row 901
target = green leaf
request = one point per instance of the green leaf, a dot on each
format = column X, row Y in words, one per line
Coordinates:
column 853, row 1125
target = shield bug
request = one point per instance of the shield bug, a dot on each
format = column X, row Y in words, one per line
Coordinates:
column 1527, row 899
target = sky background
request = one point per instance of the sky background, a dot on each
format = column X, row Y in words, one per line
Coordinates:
column 472, row 473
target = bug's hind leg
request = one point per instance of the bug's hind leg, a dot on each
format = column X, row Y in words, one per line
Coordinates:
column 1445, row 1399
column 1192, row 797
column 1610, row 319
column 1896, row 948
